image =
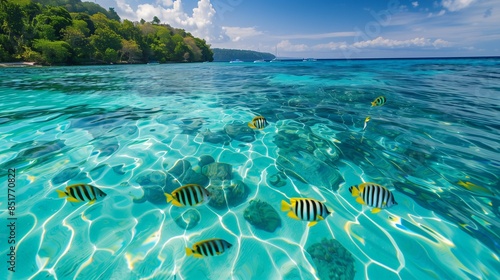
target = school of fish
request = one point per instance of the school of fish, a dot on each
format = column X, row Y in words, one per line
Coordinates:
column 310, row 210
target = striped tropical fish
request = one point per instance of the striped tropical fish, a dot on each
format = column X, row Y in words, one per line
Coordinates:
column 208, row 248
column 258, row 122
column 305, row 209
column 373, row 195
column 81, row 193
column 379, row 101
column 188, row 195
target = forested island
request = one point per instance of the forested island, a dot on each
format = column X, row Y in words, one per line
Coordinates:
column 243, row 55
column 71, row 32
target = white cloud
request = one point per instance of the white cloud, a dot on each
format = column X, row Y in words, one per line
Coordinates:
column 456, row 5
column 414, row 4
column 319, row 36
column 238, row 33
column 287, row 46
column 331, row 46
column 199, row 23
column 381, row 42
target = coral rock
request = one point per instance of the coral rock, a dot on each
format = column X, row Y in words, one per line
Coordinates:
column 188, row 219
column 262, row 216
column 332, row 260
column 217, row 170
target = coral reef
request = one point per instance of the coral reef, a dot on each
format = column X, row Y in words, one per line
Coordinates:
column 332, row 260
column 188, row 219
column 262, row 215
column 181, row 174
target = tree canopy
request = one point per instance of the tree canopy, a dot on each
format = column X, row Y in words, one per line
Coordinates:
column 56, row 32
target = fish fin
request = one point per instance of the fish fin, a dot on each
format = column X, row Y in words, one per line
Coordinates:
column 92, row 201
column 189, row 252
column 360, row 200
column 361, row 187
column 72, row 199
column 375, row 210
column 292, row 215
column 169, row 197
column 285, row 206
column 251, row 125
column 355, row 191
column 373, row 103
column 319, row 217
column 177, row 203
column 311, row 224
column 198, row 256
column 61, row 193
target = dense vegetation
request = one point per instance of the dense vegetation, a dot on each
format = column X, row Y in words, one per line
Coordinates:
column 56, row 32
column 244, row 55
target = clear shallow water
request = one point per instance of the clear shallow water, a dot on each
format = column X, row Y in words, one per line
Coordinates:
column 124, row 128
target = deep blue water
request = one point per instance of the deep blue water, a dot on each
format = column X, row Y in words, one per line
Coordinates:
column 139, row 131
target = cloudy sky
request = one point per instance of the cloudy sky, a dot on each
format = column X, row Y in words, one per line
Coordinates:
column 332, row 28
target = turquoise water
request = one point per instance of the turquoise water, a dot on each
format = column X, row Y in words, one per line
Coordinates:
column 139, row 131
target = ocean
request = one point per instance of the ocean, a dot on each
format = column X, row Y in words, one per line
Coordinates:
column 138, row 132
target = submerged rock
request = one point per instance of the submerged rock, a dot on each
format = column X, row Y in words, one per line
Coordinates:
column 65, row 175
column 191, row 126
column 217, row 171
column 218, row 137
column 205, row 159
column 332, row 260
column 181, row 174
column 153, row 194
column 188, row 219
column 262, row 215
column 307, row 157
column 150, row 178
column 232, row 195
column 240, row 132
column 310, row 170
column 277, row 180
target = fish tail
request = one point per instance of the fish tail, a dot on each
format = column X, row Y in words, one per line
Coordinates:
column 285, row 206
column 169, row 197
column 251, row 125
column 189, row 252
column 354, row 191
column 61, row 193
column 373, row 103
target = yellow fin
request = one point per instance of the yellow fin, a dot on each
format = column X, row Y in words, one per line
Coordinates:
column 199, row 256
column 189, row 252
column 61, row 193
column 72, row 199
column 92, row 201
column 375, row 210
column 251, row 125
column 292, row 215
column 177, row 203
column 355, row 191
column 320, row 218
column 360, row 200
column 285, row 206
column 169, row 197
column 311, row 224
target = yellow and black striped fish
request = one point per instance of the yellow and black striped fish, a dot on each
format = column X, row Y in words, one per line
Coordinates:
column 209, row 247
column 258, row 122
column 81, row 192
column 188, row 195
column 379, row 101
column 373, row 195
column 305, row 209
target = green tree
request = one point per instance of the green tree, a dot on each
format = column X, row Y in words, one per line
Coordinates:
column 110, row 56
column 156, row 20
column 57, row 52
column 57, row 18
column 130, row 51
column 105, row 38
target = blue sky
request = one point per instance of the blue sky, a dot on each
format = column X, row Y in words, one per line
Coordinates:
column 332, row 28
